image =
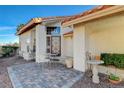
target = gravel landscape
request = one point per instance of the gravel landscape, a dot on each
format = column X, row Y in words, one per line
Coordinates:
column 86, row 82
column 4, row 63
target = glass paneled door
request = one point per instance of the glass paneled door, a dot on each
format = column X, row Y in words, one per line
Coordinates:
column 53, row 40
column 56, row 45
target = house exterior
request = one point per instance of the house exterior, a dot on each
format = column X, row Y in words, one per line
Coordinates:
column 100, row 30
column 41, row 36
column 96, row 31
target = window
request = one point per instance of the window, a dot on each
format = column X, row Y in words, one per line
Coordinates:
column 53, row 30
column 49, row 30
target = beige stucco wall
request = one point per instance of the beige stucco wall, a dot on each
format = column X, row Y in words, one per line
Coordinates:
column 24, row 37
column 23, row 42
column 106, row 34
column 68, row 46
column 79, row 47
column 64, row 40
column 98, row 36
column 33, row 38
column 40, row 43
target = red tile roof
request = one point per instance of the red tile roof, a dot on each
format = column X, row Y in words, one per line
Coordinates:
column 33, row 22
column 53, row 18
column 36, row 21
column 71, row 32
column 96, row 9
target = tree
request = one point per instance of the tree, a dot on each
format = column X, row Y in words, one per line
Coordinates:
column 16, row 44
column 20, row 26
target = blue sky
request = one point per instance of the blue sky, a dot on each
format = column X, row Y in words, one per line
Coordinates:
column 11, row 16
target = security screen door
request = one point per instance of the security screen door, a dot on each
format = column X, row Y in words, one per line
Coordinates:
column 56, row 45
column 53, row 40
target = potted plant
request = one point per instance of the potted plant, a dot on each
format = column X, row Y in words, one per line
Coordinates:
column 114, row 79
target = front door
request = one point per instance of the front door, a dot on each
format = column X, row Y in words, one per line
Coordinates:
column 56, row 45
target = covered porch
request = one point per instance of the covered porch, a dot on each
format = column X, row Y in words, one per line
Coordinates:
column 41, row 40
column 48, row 40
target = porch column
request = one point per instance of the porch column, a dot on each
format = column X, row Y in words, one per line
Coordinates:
column 62, row 43
column 79, row 47
column 40, row 43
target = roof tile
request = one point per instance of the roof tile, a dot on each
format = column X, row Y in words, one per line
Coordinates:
column 71, row 32
column 96, row 9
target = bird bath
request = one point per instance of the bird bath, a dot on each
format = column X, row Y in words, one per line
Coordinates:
column 95, row 63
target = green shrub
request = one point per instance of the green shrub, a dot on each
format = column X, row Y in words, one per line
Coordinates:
column 113, row 59
column 107, row 58
column 119, row 61
column 7, row 50
column 114, row 77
